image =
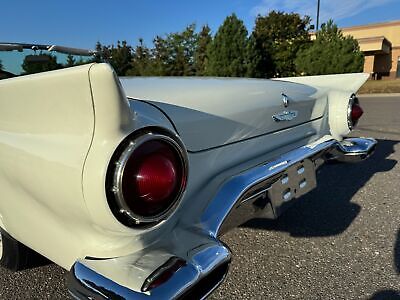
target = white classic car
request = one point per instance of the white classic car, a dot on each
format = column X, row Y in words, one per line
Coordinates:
column 130, row 182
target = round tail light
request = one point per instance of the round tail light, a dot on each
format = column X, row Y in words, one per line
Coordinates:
column 149, row 178
column 155, row 179
column 354, row 112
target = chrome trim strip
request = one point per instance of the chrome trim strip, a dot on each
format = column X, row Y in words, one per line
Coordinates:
column 66, row 50
column 255, row 195
column 1, row 246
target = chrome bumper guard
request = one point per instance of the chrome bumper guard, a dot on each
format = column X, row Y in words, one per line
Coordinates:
column 153, row 273
column 167, row 272
column 354, row 149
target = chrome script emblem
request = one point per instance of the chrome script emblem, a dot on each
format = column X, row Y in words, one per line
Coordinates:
column 285, row 100
column 286, row 115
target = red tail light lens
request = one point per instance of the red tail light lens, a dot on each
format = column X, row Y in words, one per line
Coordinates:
column 156, row 178
column 354, row 112
column 150, row 178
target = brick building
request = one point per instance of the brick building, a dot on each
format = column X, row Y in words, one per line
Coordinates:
column 381, row 46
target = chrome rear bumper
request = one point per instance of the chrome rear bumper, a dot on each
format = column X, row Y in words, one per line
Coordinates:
column 249, row 192
column 155, row 273
column 354, row 149
column 166, row 271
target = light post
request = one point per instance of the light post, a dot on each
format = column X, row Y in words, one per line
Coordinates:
column 318, row 14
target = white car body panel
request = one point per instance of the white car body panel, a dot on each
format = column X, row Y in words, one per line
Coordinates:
column 210, row 112
column 46, row 127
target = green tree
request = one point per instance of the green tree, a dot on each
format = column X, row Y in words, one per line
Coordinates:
column 141, row 64
column 277, row 38
column 200, row 55
column 70, row 61
column 227, row 52
column 174, row 54
column 103, row 53
column 40, row 63
column 120, row 57
column 259, row 61
column 181, row 48
column 330, row 53
column 160, row 56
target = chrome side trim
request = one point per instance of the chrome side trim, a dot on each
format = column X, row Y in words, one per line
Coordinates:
column 1, row 246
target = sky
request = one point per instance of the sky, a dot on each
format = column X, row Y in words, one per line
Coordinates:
column 81, row 23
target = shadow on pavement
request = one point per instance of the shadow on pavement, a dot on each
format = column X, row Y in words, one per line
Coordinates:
column 328, row 209
column 391, row 294
column 396, row 253
column 385, row 295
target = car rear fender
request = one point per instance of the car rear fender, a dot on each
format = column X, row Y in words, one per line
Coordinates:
column 339, row 88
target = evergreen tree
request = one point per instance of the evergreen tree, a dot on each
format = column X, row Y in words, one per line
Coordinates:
column 181, row 48
column 259, row 60
column 200, row 56
column 121, row 57
column 103, row 53
column 227, row 52
column 70, row 61
column 330, row 53
column 174, row 54
column 278, row 37
column 141, row 64
column 160, row 57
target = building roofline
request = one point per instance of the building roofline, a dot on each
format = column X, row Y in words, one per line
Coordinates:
column 374, row 39
column 372, row 25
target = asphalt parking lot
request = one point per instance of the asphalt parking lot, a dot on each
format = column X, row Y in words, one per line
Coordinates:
column 341, row 241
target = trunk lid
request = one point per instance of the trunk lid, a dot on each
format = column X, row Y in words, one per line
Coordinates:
column 210, row 112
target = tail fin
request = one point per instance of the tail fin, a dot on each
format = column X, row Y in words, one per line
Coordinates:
column 342, row 82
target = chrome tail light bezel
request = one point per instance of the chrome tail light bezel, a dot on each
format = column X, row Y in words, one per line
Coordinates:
column 115, row 172
column 352, row 101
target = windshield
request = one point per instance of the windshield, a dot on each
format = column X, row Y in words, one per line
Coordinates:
column 24, row 59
